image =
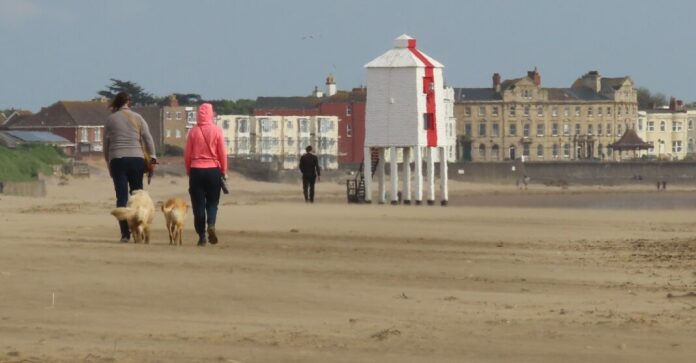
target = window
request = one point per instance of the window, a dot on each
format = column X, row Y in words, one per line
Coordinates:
column 651, row 125
column 168, row 115
column 676, row 146
column 525, row 130
column 540, row 151
column 304, row 125
column 554, row 111
column 554, row 151
column 266, row 125
column 578, row 130
column 525, row 150
column 618, row 111
column 662, row 126
column 84, row 135
column 599, row 111
column 178, row 133
column 566, row 129
column 167, row 133
column 690, row 124
column 495, row 152
column 467, row 128
column 325, row 125
column 540, row 129
column 690, row 146
column 242, row 125
column 608, row 111
column 640, row 124
column 566, row 151
column 97, row 134
column 178, row 115
column 540, row 110
column 566, row 111
column 482, row 151
column 495, row 111
column 589, row 129
column 676, row 126
column 349, row 110
column 482, row 129
column 512, row 129
column 554, row 129
column 513, row 110
column 618, row 130
column 577, row 111
column 526, row 111
column 608, row 129
column 495, row 130
column 288, row 124
column 482, row 111
column 349, row 130
column 467, row 111
column 589, row 111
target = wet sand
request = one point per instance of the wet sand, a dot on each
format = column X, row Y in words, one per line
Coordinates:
column 547, row 275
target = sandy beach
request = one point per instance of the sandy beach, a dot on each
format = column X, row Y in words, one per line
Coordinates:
column 586, row 274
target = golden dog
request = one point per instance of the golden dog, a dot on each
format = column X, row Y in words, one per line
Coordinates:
column 175, row 210
column 139, row 213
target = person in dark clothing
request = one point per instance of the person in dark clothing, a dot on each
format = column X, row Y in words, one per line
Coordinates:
column 311, row 173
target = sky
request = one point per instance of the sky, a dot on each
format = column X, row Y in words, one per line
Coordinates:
column 69, row 49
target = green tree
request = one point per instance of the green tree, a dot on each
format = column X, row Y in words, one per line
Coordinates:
column 137, row 93
column 647, row 99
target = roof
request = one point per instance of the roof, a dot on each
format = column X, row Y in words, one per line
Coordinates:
column 66, row 113
column 38, row 137
column 287, row 102
column 3, row 118
column 476, row 94
column 613, row 83
column 630, row 141
column 401, row 55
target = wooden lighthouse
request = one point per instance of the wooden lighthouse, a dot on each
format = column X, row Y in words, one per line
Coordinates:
column 406, row 115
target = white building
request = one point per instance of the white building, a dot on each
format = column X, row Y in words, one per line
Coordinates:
column 237, row 132
column 670, row 131
column 406, row 111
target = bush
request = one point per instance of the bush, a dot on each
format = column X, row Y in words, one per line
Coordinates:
column 172, row 150
column 27, row 161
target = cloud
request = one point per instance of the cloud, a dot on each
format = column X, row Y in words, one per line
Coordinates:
column 18, row 12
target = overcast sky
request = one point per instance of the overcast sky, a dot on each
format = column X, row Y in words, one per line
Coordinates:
column 68, row 49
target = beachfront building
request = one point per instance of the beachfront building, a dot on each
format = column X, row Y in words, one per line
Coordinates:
column 519, row 118
column 266, row 134
column 406, row 113
column 670, row 130
column 236, row 131
column 175, row 119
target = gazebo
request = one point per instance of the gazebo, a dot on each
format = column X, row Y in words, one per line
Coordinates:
column 630, row 141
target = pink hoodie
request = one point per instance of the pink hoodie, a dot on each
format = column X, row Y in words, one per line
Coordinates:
column 197, row 153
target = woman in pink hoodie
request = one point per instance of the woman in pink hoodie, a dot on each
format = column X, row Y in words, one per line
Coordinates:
column 206, row 161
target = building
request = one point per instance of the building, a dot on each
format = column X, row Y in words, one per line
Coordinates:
column 12, row 139
column 177, row 121
column 406, row 113
column 670, row 130
column 236, row 130
column 519, row 118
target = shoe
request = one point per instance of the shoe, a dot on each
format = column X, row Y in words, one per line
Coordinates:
column 212, row 237
column 125, row 240
column 201, row 240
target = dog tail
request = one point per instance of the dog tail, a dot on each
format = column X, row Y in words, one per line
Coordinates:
column 122, row 213
column 166, row 209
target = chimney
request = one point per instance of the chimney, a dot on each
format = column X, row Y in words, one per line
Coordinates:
column 330, row 85
column 680, row 105
column 173, row 102
column 672, row 104
column 535, row 76
column 496, row 82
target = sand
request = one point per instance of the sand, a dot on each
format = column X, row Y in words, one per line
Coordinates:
column 574, row 275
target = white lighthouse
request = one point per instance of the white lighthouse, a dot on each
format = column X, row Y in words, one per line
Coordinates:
column 406, row 112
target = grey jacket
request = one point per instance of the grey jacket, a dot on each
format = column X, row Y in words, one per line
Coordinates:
column 121, row 138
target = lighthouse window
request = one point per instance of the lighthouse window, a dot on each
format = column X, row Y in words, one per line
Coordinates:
column 428, row 121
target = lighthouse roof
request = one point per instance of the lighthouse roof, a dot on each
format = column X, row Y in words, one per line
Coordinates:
column 403, row 54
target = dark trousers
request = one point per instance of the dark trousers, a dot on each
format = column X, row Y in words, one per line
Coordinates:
column 308, row 188
column 127, row 174
column 204, row 189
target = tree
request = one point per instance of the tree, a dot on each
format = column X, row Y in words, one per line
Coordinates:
column 137, row 93
column 231, row 107
column 648, row 100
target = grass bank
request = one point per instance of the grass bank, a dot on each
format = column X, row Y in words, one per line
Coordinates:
column 27, row 161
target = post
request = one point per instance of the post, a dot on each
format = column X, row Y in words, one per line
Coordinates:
column 418, row 171
column 407, row 176
column 367, row 174
column 443, row 176
column 380, row 176
column 431, row 177
column 394, row 176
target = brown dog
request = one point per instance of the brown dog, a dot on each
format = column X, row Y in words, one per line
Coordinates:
column 175, row 210
column 139, row 213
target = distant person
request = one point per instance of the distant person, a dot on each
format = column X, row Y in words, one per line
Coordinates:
column 205, row 157
column 126, row 140
column 311, row 173
column 664, row 185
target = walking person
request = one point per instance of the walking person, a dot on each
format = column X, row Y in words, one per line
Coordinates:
column 205, row 157
column 311, row 173
column 127, row 145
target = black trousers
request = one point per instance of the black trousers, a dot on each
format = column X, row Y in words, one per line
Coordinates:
column 204, row 189
column 127, row 174
column 308, row 187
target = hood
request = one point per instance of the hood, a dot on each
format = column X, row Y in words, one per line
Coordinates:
column 205, row 114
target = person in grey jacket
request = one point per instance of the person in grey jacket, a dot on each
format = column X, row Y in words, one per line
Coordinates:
column 126, row 138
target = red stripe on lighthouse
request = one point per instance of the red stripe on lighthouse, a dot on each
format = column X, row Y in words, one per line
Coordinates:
column 430, row 94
